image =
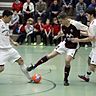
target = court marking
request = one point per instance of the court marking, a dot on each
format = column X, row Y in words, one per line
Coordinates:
column 49, row 89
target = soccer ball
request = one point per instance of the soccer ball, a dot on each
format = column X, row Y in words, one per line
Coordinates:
column 36, row 78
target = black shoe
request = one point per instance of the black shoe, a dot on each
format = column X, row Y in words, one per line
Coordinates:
column 30, row 68
column 84, row 78
column 66, row 83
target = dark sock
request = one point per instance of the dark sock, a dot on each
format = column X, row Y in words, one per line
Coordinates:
column 66, row 72
column 42, row 60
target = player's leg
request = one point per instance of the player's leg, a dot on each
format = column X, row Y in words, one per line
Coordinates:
column 67, row 69
column 14, row 56
column 58, row 50
column 23, row 67
column 91, row 68
column 42, row 60
column 1, row 68
column 69, row 57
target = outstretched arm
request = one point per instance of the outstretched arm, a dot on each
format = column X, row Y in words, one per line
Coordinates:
column 13, row 42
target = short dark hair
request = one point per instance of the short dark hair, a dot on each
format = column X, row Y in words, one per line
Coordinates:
column 62, row 15
column 91, row 11
column 7, row 13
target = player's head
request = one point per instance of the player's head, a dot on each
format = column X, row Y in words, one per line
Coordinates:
column 7, row 15
column 90, row 13
column 63, row 18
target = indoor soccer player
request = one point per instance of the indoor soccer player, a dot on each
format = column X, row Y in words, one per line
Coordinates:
column 69, row 31
column 91, row 16
column 7, row 52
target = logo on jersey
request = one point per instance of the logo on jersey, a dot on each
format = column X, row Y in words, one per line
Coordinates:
column 2, row 27
column 71, row 30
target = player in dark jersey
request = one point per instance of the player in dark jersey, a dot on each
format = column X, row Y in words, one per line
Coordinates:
column 69, row 31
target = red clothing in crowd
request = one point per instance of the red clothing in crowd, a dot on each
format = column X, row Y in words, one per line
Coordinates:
column 17, row 6
column 37, row 27
column 47, row 27
column 55, row 29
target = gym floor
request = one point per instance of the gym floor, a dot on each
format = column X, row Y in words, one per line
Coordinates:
column 14, row 83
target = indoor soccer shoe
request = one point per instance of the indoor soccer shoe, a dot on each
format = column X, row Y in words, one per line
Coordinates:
column 66, row 83
column 30, row 68
column 83, row 78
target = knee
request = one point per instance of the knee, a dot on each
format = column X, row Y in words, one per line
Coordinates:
column 1, row 68
column 20, row 61
column 67, row 62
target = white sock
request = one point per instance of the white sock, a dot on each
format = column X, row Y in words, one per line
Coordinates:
column 88, row 73
column 23, row 68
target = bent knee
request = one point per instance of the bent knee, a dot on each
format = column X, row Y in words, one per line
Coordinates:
column 1, row 68
column 20, row 61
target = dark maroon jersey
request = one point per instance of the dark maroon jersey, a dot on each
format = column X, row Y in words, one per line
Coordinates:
column 70, row 32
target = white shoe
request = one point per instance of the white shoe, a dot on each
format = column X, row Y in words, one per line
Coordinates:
column 35, row 44
column 41, row 44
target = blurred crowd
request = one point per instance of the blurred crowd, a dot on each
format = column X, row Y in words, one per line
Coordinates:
column 36, row 22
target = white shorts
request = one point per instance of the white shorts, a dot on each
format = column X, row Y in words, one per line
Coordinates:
column 62, row 49
column 8, row 55
column 92, row 55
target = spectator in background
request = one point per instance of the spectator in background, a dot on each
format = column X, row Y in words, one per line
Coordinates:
column 47, row 34
column 80, row 6
column 87, row 2
column 30, row 31
column 54, row 9
column 93, row 4
column 28, row 10
column 17, row 6
column 55, row 30
column 82, row 17
column 67, row 6
column 38, row 30
column 41, row 8
column 22, row 34
column 13, row 25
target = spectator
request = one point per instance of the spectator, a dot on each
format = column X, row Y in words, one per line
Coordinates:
column 80, row 6
column 81, row 17
column 14, row 23
column 41, row 7
column 30, row 31
column 28, row 10
column 38, row 28
column 47, row 34
column 93, row 4
column 54, row 9
column 67, row 6
column 87, row 2
column 55, row 30
column 17, row 6
column 22, row 34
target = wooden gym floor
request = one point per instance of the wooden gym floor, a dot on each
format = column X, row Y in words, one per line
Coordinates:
column 14, row 83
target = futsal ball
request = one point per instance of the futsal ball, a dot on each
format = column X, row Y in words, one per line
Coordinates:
column 36, row 78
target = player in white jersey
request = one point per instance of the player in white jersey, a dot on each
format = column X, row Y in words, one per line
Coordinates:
column 91, row 16
column 7, row 52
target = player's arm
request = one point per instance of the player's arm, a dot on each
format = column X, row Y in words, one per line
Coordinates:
column 59, row 35
column 13, row 42
column 84, row 33
column 87, row 39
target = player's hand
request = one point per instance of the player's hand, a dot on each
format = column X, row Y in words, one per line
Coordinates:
column 55, row 37
column 75, row 40
column 15, row 44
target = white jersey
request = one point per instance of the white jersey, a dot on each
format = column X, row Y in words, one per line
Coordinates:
column 92, row 32
column 78, row 25
column 4, row 35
